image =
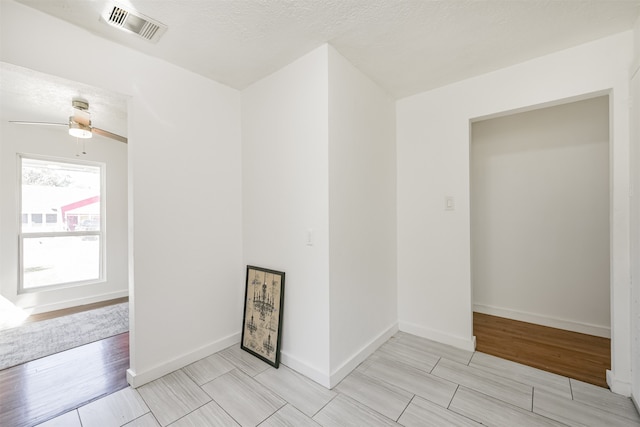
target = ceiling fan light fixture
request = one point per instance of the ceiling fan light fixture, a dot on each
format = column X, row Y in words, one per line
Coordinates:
column 79, row 130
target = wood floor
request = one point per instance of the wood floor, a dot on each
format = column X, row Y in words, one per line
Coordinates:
column 583, row 357
column 42, row 389
column 36, row 391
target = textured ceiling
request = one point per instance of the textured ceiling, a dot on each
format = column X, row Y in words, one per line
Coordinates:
column 406, row 46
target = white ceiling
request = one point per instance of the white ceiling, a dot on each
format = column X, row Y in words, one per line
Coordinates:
column 406, row 46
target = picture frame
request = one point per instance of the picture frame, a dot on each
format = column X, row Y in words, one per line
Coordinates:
column 262, row 316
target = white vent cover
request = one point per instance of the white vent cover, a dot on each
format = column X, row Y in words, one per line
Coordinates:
column 134, row 22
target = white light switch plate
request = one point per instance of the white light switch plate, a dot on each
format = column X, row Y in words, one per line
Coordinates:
column 449, row 203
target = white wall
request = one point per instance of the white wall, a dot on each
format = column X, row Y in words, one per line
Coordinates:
column 285, row 194
column 187, row 276
column 185, row 254
column 434, row 279
column 635, row 216
column 540, row 216
column 55, row 142
column 362, row 216
column 319, row 163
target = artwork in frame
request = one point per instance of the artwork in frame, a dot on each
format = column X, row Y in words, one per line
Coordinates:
column 262, row 324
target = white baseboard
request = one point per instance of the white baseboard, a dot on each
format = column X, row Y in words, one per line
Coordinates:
column 77, row 302
column 468, row 344
column 338, row 374
column 352, row 363
column 617, row 386
column 305, row 369
column 553, row 322
column 136, row 379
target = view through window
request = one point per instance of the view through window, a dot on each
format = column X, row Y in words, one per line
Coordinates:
column 61, row 234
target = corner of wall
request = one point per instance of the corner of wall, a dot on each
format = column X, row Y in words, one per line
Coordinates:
column 285, row 123
column 439, row 336
column 635, row 243
column 305, row 369
column 618, row 386
column 361, row 167
column 361, row 355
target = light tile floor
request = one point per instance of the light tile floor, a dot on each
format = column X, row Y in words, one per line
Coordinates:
column 408, row 381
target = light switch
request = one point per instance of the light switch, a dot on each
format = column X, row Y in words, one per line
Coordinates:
column 449, row 203
column 310, row 237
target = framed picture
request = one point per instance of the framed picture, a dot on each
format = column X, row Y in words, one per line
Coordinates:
column 262, row 323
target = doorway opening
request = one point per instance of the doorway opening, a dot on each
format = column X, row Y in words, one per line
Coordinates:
column 540, row 237
column 65, row 195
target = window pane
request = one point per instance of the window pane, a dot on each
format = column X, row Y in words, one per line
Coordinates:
column 61, row 223
column 68, row 195
column 54, row 260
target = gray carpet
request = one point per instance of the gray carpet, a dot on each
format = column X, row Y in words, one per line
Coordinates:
column 35, row 340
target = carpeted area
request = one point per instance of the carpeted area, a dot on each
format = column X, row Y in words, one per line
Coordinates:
column 35, row 340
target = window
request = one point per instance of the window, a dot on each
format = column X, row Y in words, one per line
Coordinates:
column 61, row 234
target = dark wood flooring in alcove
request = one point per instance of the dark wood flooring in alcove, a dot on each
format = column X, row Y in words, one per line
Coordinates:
column 571, row 354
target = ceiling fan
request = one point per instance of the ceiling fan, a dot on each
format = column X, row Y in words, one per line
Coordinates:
column 79, row 123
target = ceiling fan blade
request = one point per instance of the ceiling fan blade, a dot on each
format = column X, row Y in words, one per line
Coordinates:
column 18, row 122
column 108, row 134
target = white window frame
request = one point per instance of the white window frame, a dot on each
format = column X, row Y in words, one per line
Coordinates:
column 31, row 234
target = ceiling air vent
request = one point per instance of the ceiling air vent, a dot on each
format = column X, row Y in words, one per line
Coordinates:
column 134, row 22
